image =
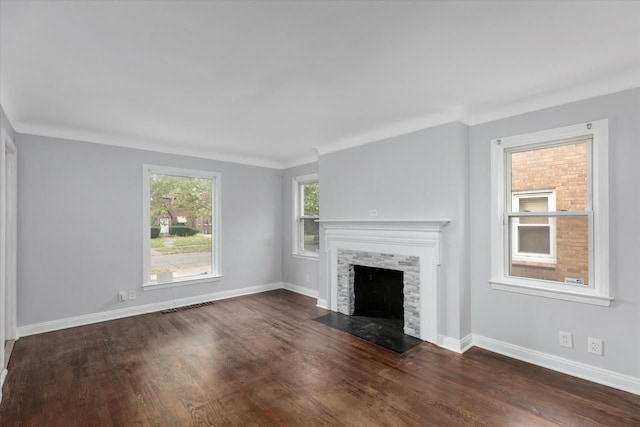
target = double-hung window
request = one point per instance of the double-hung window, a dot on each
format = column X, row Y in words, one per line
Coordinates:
column 306, row 240
column 181, row 226
column 534, row 239
column 550, row 213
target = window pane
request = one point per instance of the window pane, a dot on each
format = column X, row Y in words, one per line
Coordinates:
column 534, row 204
column 534, row 239
column 181, row 227
column 311, row 235
column 570, row 244
column 562, row 168
column 310, row 198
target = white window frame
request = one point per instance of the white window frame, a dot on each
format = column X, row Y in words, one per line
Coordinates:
column 298, row 235
column 515, row 224
column 216, row 274
column 597, row 213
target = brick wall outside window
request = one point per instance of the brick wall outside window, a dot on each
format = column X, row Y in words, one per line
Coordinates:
column 563, row 169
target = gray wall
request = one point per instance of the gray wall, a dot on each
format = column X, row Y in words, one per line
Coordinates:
column 5, row 123
column 80, row 227
column 422, row 175
column 80, row 237
column 296, row 270
column 534, row 322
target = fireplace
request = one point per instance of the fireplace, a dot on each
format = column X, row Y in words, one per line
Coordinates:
column 378, row 292
column 406, row 268
column 410, row 248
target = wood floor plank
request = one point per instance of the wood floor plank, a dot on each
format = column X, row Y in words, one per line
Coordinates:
column 262, row 360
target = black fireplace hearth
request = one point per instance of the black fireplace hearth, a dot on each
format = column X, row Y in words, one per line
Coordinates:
column 378, row 314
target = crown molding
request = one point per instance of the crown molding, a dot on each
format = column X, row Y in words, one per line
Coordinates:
column 299, row 161
column 394, row 130
column 629, row 79
column 618, row 82
column 140, row 144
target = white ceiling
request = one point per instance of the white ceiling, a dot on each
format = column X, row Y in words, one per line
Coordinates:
column 271, row 82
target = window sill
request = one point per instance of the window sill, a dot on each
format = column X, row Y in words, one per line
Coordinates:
column 152, row 286
column 535, row 262
column 307, row 257
column 566, row 295
column 551, row 265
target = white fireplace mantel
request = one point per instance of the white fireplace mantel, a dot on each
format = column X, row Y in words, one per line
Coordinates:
column 411, row 237
column 385, row 224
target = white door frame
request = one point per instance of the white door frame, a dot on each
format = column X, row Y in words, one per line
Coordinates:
column 8, row 242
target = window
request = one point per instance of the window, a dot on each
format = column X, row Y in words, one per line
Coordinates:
column 307, row 212
column 534, row 239
column 550, row 200
column 181, row 226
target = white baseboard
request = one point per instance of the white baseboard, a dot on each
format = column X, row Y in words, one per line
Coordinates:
column 556, row 363
column 71, row 322
column 453, row 344
column 560, row 364
column 300, row 290
column 322, row 303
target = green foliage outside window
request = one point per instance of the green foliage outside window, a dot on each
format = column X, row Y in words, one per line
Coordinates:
column 193, row 195
column 182, row 230
column 311, row 205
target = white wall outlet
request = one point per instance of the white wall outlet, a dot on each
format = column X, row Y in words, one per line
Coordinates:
column 566, row 339
column 132, row 294
column 373, row 212
column 307, row 278
column 595, row 346
column 122, row 296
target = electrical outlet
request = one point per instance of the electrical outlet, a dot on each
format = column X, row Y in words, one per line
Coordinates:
column 595, row 346
column 132, row 294
column 307, row 278
column 566, row 339
column 122, row 296
column 373, row 212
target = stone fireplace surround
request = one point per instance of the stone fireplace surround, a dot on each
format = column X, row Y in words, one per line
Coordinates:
column 409, row 265
column 412, row 246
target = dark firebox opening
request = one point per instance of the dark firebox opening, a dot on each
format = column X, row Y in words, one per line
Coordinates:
column 378, row 292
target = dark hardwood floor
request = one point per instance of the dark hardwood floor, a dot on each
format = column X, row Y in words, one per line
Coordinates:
column 261, row 360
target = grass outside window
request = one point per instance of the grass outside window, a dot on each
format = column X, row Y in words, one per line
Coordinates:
column 181, row 244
